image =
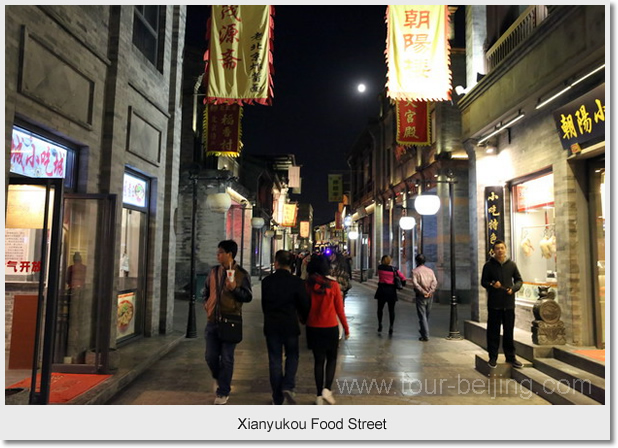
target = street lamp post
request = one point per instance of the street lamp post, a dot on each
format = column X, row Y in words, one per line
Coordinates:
column 429, row 205
column 453, row 330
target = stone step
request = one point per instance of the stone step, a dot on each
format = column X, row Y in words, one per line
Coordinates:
column 582, row 362
column 581, row 380
column 549, row 388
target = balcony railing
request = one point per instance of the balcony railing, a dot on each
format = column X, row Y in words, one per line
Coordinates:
column 521, row 29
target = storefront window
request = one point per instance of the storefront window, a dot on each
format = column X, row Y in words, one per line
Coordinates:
column 131, row 284
column 534, row 234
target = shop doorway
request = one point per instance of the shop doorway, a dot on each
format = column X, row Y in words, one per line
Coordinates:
column 596, row 201
column 56, row 290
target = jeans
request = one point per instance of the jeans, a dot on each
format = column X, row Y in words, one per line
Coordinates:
column 220, row 359
column 280, row 381
column 423, row 308
column 495, row 319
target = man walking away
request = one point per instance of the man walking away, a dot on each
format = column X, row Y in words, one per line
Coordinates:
column 424, row 283
column 228, row 292
column 502, row 280
column 284, row 302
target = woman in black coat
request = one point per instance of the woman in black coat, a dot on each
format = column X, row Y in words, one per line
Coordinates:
column 387, row 292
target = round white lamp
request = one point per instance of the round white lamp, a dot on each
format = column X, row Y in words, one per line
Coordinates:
column 407, row 222
column 427, row 204
column 218, row 202
column 269, row 233
column 353, row 234
column 257, row 222
column 347, row 221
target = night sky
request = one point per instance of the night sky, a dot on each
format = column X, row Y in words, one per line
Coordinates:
column 321, row 54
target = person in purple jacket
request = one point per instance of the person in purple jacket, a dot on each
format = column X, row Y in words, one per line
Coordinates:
column 387, row 292
column 424, row 283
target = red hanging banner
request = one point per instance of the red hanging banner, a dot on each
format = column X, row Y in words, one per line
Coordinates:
column 239, row 62
column 413, row 123
column 222, row 131
column 417, row 52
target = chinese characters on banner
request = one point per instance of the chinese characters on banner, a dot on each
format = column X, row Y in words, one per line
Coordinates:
column 494, row 217
column 413, row 123
column 33, row 157
column 239, row 56
column 335, row 188
column 304, row 229
column 289, row 215
column 417, row 52
column 222, row 129
column 294, row 177
column 582, row 119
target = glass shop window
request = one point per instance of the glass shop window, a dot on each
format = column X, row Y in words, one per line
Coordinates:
column 534, row 234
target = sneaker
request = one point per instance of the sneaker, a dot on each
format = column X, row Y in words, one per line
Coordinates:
column 390, row 330
column 319, row 400
column 328, row 396
column 289, row 396
column 221, row 399
column 380, row 329
column 515, row 363
column 422, row 338
column 492, row 363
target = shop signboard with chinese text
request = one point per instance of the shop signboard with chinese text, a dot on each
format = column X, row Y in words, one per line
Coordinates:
column 289, row 215
column 494, row 216
column 222, row 129
column 413, row 123
column 239, row 58
column 417, row 52
column 36, row 158
column 583, row 119
column 304, row 229
column 335, row 188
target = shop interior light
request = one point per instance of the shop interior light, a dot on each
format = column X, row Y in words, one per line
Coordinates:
column 501, row 128
column 427, row 204
column 407, row 222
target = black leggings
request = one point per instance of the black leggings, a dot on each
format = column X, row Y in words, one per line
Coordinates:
column 391, row 310
column 324, row 358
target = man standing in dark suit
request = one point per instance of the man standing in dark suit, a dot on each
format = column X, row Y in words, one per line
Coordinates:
column 284, row 302
column 501, row 279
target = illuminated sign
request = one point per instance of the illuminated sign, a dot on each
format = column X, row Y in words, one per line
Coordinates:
column 34, row 157
column 304, row 229
column 583, row 119
column 134, row 191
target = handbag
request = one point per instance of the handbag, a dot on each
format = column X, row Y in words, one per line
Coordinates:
column 397, row 280
column 229, row 326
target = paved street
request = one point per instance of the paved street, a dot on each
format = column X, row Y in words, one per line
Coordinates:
column 372, row 368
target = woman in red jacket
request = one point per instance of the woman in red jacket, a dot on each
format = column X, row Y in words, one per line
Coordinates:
column 322, row 325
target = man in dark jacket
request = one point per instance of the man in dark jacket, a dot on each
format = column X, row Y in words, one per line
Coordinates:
column 502, row 280
column 227, row 287
column 284, row 302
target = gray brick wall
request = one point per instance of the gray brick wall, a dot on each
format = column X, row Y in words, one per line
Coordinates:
column 94, row 43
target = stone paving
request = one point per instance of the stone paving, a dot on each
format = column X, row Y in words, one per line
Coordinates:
column 372, row 369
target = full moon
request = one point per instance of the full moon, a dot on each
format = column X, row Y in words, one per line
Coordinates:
column 361, row 88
